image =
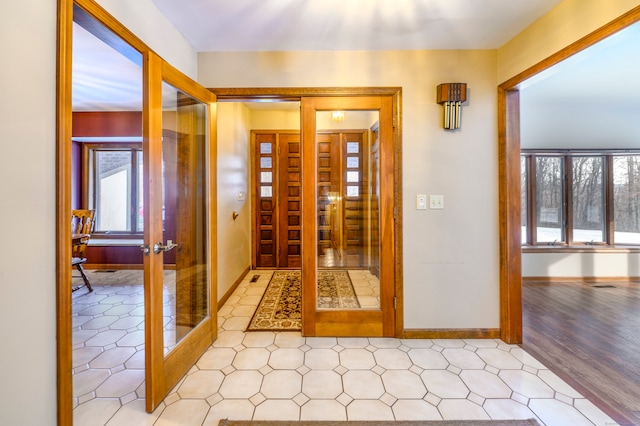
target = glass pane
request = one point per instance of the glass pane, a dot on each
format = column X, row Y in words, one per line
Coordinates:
column 184, row 153
column 626, row 199
column 113, row 190
column 266, row 191
column 265, row 162
column 265, row 148
column 549, row 196
column 140, row 200
column 348, row 224
column 266, row 177
column 588, row 199
column 523, row 198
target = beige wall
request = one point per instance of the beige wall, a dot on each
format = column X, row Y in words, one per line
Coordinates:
column 451, row 255
column 566, row 23
column 234, row 236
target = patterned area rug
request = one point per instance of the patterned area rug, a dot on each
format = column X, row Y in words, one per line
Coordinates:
column 527, row 422
column 281, row 306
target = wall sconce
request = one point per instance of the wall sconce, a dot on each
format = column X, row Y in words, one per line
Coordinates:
column 337, row 116
column 451, row 95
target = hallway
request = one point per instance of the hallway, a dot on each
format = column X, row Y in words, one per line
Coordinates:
column 282, row 375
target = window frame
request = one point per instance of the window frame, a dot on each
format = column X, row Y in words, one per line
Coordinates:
column 608, row 208
column 89, row 181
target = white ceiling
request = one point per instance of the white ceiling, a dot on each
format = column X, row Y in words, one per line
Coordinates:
column 105, row 80
column 275, row 25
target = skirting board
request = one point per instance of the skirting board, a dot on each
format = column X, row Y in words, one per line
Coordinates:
column 233, row 288
column 116, row 266
column 580, row 279
column 452, row 333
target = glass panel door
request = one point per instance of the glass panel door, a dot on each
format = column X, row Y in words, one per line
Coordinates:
column 348, row 267
column 184, row 214
column 179, row 233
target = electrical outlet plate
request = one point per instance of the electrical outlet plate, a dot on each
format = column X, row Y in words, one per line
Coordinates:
column 436, row 201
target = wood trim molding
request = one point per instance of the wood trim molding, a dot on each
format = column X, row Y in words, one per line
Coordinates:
column 233, row 288
column 295, row 93
column 452, row 333
column 64, row 384
column 509, row 178
column 590, row 280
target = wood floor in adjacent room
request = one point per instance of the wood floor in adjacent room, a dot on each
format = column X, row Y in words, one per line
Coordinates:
column 589, row 335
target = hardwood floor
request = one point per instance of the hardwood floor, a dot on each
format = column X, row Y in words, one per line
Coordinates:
column 589, row 335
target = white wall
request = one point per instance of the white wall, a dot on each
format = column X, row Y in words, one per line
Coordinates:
column 609, row 265
column 28, row 198
column 152, row 27
column 234, row 169
column 450, row 256
column 27, row 205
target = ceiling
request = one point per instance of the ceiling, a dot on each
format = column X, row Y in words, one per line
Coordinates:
column 276, row 25
column 105, row 80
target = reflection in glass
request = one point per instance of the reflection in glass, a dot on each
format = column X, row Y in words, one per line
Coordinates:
column 348, row 168
column 184, row 153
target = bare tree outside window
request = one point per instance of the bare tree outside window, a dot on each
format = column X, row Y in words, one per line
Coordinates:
column 626, row 198
column 549, row 199
column 588, row 199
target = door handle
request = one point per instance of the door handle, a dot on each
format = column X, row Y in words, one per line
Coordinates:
column 159, row 247
column 145, row 249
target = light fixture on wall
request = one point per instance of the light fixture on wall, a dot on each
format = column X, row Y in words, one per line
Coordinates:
column 451, row 95
column 337, row 116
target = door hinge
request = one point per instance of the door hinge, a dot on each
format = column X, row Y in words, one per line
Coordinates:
column 395, row 302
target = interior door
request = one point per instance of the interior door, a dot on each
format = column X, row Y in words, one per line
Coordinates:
column 278, row 201
column 349, row 278
column 180, row 213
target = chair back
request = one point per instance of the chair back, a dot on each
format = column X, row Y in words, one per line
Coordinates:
column 81, row 225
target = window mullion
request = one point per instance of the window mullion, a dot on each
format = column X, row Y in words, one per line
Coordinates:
column 567, row 198
column 609, row 205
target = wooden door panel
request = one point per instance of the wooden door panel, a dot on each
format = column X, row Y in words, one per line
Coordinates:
column 290, row 200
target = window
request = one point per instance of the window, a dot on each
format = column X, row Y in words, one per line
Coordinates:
column 580, row 198
column 115, row 188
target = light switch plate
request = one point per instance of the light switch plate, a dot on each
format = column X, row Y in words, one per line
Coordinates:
column 436, row 201
column 421, row 201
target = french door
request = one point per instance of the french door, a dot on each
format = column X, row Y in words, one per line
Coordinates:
column 179, row 216
column 348, row 217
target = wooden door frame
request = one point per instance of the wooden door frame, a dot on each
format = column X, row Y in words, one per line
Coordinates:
column 509, row 175
column 295, row 94
column 65, row 13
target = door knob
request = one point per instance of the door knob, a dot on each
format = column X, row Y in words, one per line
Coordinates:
column 159, row 247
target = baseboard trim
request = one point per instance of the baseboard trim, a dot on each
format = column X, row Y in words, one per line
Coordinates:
column 116, row 266
column 452, row 333
column 233, row 288
column 579, row 279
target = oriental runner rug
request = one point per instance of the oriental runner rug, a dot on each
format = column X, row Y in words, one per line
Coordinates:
column 527, row 422
column 281, row 306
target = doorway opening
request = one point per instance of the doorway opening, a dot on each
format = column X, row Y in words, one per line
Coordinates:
column 346, row 188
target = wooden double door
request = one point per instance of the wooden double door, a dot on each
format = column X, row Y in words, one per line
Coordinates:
column 343, row 213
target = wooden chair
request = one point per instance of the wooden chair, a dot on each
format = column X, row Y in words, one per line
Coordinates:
column 81, row 228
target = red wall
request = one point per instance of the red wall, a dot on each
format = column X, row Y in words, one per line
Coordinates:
column 103, row 124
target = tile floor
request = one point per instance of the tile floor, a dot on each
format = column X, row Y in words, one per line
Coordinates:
column 266, row 375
